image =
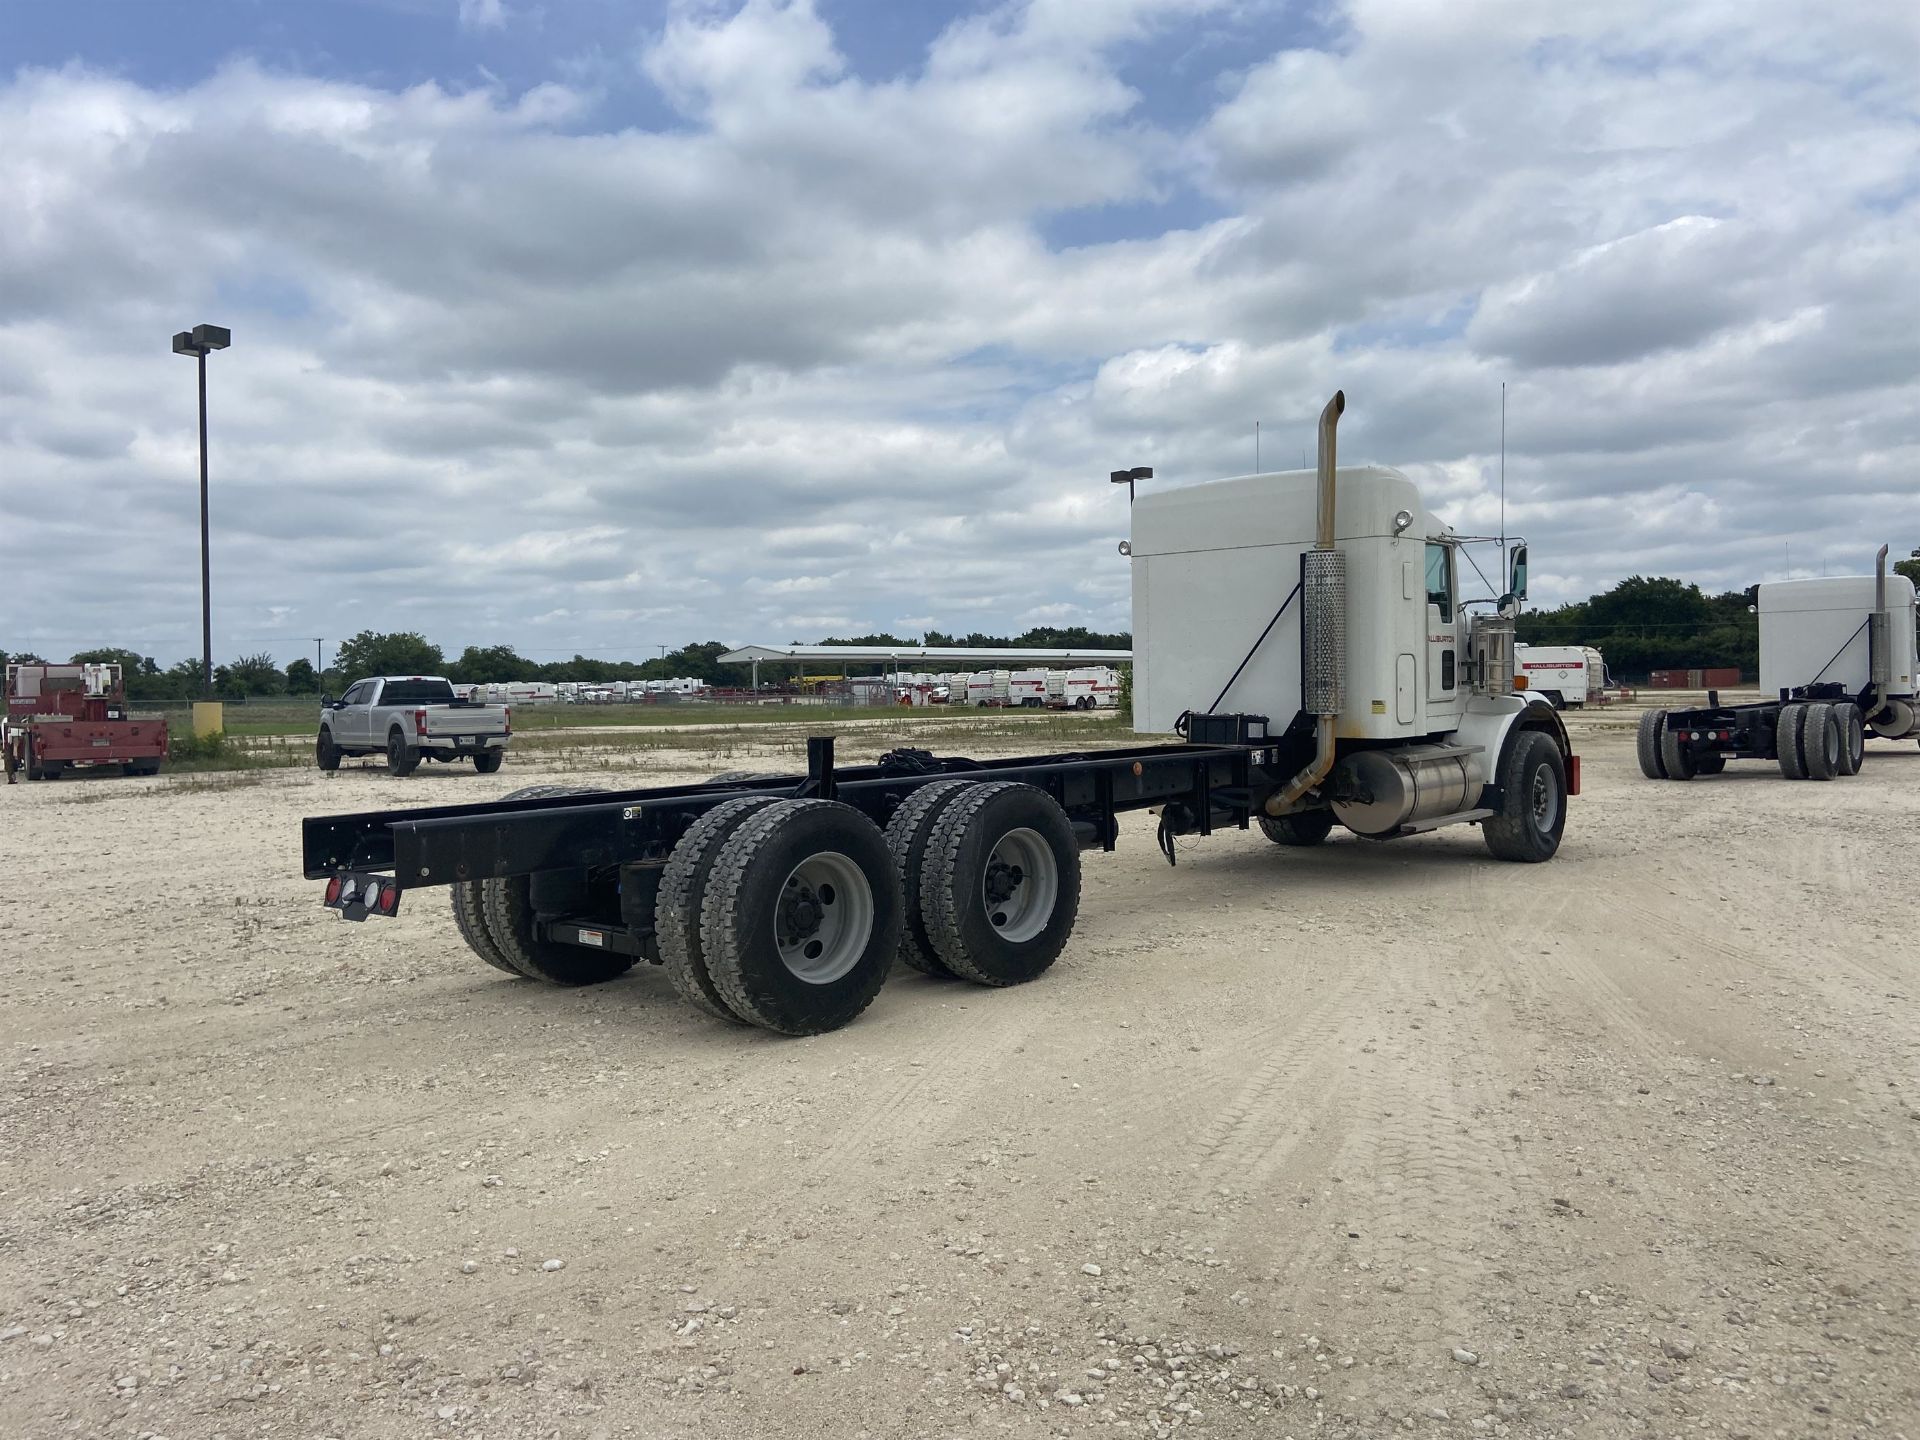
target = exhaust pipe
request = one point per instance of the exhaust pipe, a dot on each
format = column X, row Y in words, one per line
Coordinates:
column 1879, row 658
column 1323, row 607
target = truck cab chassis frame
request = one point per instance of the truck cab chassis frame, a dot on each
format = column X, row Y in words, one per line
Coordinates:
column 784, row 900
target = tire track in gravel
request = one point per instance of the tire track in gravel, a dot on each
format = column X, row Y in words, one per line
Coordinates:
column 1430, row 1193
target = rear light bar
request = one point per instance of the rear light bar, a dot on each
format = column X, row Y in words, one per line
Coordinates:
column 357, row 896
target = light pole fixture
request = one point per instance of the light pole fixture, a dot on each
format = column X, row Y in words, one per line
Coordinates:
column 197, row 342
column 1127, row 477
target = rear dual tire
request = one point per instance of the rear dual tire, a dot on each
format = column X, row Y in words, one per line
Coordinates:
column 800, row 920
column 999, row 884
column 497, row 920
column 1812, row 741
column 1647, row 744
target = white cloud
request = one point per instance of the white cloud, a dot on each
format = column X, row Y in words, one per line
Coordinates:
column 506, row 375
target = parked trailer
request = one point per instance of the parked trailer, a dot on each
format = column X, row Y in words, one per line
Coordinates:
column 1027, row 689
column 1565, row 676
column 66, row 717
column 1839, row 655
column 989, row 687
column 783, row 901
column 1094, row 687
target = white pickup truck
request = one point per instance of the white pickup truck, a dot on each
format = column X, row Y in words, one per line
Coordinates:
column 410, row 718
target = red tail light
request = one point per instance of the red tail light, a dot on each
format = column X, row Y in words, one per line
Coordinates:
column 509, row 710
column 389, row 898
column 419, row 722
column 333, row 890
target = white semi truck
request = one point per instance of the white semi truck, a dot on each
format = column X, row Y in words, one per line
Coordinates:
column 1304, row 637
column 1391, row 707
column 1838, row 656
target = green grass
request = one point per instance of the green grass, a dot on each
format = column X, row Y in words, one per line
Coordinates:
column 646, row 737
column 282, row 717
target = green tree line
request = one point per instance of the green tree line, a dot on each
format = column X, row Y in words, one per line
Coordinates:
column 1642, row 624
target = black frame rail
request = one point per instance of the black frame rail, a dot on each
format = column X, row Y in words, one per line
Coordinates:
column 452, row 844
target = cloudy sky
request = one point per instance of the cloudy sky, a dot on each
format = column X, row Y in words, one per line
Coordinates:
column 596, row 325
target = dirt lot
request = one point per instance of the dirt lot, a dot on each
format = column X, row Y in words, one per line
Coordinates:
column 1354, row 1141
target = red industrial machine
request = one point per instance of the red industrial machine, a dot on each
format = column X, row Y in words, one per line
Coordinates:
column 62, row 716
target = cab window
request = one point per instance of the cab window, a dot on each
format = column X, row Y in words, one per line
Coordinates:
column 356, row 694
column 1440, row 579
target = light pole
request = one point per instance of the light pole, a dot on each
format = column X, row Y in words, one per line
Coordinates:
column 197, row 342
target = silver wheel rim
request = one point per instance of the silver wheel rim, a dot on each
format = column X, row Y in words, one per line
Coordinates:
column 1021, row 885
column 1545, row 800
column 823, row 918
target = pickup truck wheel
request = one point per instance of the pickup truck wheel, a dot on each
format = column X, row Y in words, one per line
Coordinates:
column 402, row 758
column 1001, row 883
column 683, row 891
column 488, row 761
column 326, row 754
column 801, row 918
column 1533, row 808
column 908, row 832
column 1304, row 827
column 1647, row 744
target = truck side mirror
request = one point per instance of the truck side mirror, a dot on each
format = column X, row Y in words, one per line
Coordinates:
column 1519, row 585
column 326, row 701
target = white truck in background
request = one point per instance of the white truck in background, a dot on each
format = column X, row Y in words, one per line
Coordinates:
column 1027, row 689
column 1565, row 676
column 1839, row 656
column 989, row 687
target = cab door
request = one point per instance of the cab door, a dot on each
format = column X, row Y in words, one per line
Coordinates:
column 1443, row 627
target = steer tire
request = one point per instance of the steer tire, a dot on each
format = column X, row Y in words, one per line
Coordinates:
column 1302, row 827
column 1647, row 744
column 1000, row 833
column 1675, row 758
column 326, row 754
column 801, row 918
column 1853, row 737
column 1786, row 742
column 683, row 887
column 1533, row 807
column 508, row 918
column 402, row 758
column 1822, row 742
column 908, row 832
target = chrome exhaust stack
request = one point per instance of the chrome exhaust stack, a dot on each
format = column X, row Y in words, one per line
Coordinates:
column 1879, row 628
column 1323, row 639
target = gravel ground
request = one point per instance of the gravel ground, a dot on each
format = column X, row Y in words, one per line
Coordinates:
column 1345, row 1142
